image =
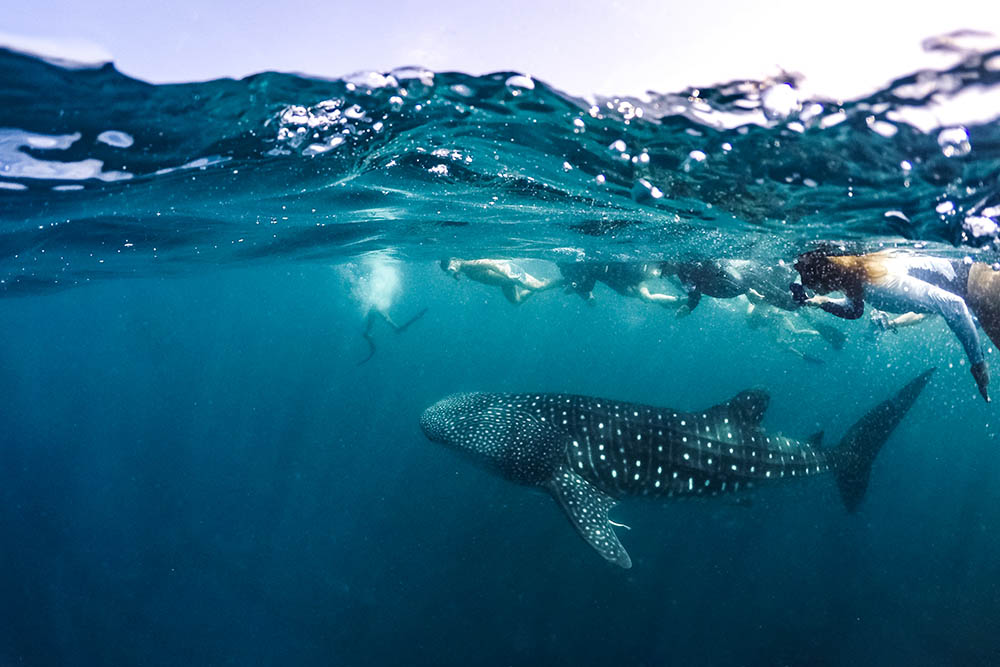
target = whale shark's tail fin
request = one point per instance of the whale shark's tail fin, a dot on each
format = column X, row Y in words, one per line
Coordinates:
column 854, row 456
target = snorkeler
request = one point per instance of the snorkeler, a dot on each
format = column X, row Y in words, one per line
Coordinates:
column 515, row 283
column 729, row 278
column 375, row 313
column 632, row 279
column 907, row 283
column 765, row 287
column 711, row 277
column 789, row 329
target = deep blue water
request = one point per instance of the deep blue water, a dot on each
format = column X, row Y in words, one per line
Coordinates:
column 195, row 470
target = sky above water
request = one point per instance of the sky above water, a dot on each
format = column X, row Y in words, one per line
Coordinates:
column 845, row 48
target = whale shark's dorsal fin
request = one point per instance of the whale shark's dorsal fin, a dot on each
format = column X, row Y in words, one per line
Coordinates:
column 747, row 407
column 587, row 507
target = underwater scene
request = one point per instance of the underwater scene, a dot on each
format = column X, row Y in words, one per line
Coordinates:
column 425, row 368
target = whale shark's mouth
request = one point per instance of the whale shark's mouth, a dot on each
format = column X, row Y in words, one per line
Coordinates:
column 433, row 422
column 439, row 420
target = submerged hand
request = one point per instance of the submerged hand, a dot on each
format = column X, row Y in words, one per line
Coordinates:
column 881, row 321
column 798, row 293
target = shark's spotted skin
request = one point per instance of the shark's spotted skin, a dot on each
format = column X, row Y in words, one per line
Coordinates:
column 588, row 451
column 629, row 449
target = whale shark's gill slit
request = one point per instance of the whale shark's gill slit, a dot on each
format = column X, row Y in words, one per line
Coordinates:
column 590, row 450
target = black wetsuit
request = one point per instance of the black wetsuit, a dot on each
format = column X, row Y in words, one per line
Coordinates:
column 622, row 277
column 711, row 277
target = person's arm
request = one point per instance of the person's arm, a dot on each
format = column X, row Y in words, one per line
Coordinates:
column 907, row 320
column 850, row 307
column 693, row 298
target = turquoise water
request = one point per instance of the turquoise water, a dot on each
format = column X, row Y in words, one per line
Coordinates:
column 195, row 469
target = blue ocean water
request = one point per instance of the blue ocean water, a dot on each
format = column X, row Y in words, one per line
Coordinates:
column 195, row 469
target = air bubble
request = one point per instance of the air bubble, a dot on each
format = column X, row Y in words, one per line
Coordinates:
column 780, row 101
column 644, row 190
column 519, row 83
column 980, row 227
column 954, row 141
column 115, row 138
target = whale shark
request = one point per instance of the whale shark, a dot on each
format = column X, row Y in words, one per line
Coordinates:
column 589, row 452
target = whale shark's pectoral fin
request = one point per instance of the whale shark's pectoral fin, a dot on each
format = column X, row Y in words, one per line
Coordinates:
column 587, row 507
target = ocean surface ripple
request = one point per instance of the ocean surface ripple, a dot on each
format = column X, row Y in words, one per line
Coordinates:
column 102, row 175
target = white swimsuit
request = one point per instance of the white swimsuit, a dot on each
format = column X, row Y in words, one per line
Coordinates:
column 913, row 283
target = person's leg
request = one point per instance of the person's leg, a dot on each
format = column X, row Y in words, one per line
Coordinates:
column 385, row 317
column 804, row 356
column 983, row 296
column 528, row 281
column 791, row 327
column 398, row 328
column 523, row 293
column 510, row 293
column 956, row 313
column 403, row 327
column 367, row 335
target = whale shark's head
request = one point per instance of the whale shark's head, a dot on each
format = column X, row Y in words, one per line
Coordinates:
column 491, row 429
column 443, row 421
